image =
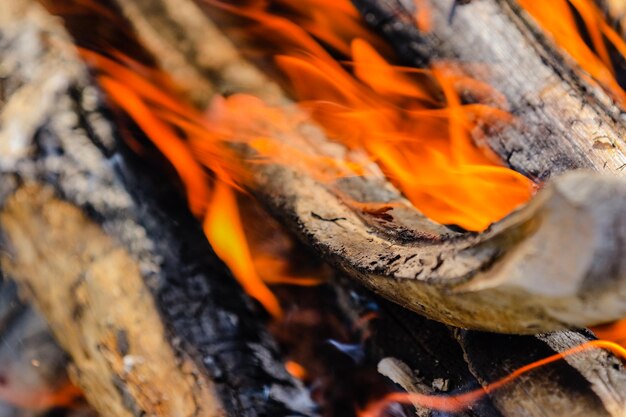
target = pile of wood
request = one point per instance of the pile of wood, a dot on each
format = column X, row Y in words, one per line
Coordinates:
column 153, row 321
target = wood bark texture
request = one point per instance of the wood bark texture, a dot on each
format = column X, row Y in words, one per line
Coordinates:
column 532, row 272
column 429, row 347
column 63, row 196
column 153, row 321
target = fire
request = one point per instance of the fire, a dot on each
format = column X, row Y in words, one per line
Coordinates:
column 558, row 19
column 614, row 332
column 223, row 227
column 458, row 403
column 411, row 122
column 31, row 398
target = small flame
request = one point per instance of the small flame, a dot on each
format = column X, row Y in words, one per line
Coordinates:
column 558, row 19
column 30, row 398
column 614, row 332
column 458, row 403
column 225, row 232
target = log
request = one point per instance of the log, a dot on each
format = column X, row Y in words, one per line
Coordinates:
column 416, row 341
column 564, row 121
column 153, row 321
column 174, row 303
column 475, row 281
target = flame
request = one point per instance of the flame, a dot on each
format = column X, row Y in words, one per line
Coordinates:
column 67, row 395
column 614, row 332
column 411, row 122
column 225, row 232
column 159, row 113
column 458, row 403
column 557, row 18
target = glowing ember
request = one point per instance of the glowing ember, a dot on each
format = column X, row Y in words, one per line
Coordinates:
column 295, row 369
column 29, row 398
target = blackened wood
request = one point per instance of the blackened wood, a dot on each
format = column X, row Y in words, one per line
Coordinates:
column 66, row 143
column 492, row 357
column 593, row 380
column 435, row 271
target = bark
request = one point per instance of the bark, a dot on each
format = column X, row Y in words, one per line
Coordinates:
column 428, row 357
column 123, row 273
column 564, row 121
column 480, row 281
column 225, row 338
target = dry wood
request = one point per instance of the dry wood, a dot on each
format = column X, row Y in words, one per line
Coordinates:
column 519, row 276
column 172, row 297
column 152, row 319
column 92, row 293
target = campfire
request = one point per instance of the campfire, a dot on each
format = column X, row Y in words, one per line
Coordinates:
column 364, row 208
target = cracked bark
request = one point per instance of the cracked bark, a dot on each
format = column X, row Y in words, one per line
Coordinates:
column 475, row 281
column 123, row 273
column 181, row 295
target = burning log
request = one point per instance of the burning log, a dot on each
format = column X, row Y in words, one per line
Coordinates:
column 514, row 277
column 416, row 342
column 80, row 206
column 98, row 260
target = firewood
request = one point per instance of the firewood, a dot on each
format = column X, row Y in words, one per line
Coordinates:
column 563, row 121
column 530, row 272
column 432, row 351
column 125, row 277
column 93, row 187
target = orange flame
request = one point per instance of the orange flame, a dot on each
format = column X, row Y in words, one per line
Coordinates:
column 66, row 395
column 614, row 332
column 225, row 232
column 411, row 122
column 457, row 403
column 557, row 18
column 157, row 113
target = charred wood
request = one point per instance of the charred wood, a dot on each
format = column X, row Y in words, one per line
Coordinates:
column 152, row 320
column 444, row 274
column 182, row 295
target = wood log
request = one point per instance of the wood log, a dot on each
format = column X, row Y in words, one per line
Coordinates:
column 430, row 358
column 564, row 121
column 172, row 298
column 153, row 321
column 477, row 281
